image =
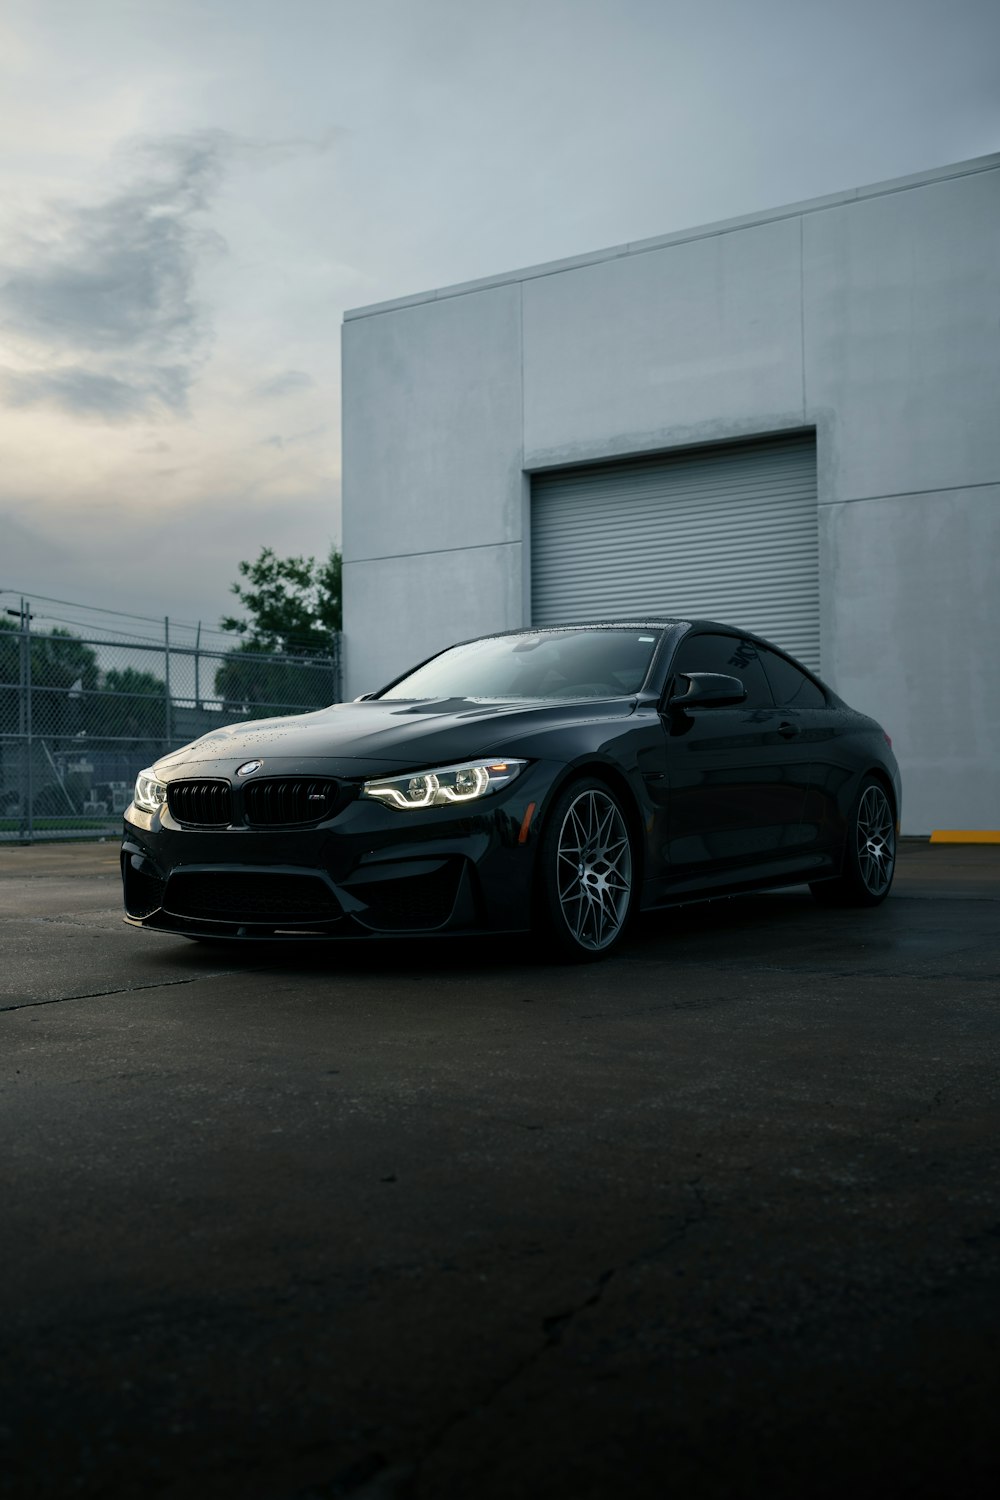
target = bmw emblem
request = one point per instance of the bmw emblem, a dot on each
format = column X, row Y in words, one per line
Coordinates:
column 249, row 767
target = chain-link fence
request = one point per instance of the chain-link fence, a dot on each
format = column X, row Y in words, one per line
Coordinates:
column 80, row 715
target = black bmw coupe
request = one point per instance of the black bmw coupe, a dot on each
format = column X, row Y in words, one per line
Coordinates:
column 553, row 780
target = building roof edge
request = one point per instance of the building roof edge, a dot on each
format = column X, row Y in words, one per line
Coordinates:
column 682, row 236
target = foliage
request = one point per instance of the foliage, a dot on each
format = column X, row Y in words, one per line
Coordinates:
column 294, row 604
column 253, row 682
column 58, row 660
column 130, row 705
column 294, row 608
column 116, row 705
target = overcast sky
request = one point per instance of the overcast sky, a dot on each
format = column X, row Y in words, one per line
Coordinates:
column 193, row 192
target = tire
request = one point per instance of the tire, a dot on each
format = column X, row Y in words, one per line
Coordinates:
column 586, row 876
column 869, row 852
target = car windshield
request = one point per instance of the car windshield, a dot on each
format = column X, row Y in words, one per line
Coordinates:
column 546, row 664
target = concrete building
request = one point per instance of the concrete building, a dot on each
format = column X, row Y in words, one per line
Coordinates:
column 789, row 421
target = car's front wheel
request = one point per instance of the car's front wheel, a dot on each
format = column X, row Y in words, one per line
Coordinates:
column 869, row 853
column 586, row 873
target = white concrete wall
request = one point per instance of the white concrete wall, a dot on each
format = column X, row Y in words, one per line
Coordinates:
column 873, row 315
column 902, row 374
column 674, row 345
column 433, row 485
column 916, row 616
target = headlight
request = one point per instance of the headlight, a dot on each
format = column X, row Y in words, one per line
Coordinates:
column 449, row 784
column 150, row 793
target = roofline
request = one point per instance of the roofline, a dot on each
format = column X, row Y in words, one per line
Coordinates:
column 705, row 231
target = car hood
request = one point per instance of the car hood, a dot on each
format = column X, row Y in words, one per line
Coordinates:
column 399, row 733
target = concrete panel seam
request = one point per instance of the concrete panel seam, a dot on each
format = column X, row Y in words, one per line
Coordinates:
column 936, row 489
column 520, row 306
column 526, row 563
column 802, row 311
column 432, row 552
column 646, row 444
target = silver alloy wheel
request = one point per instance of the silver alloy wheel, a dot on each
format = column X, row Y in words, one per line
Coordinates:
column 594, row 869
column 876, row 841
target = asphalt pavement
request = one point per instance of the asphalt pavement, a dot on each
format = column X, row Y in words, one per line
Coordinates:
column 719, row 1217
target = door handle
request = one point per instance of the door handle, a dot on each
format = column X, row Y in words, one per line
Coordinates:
column 788, row 731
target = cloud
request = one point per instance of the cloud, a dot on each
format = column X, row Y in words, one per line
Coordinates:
column 294, row 439
column 114, row 282
column 286, row 383
column 86, row 393
column 274, row 153
column 27, row 552
column 99, row 300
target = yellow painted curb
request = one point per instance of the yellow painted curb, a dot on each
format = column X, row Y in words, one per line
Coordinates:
column 970, row 836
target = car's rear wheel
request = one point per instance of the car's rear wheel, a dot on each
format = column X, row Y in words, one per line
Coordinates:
column 869, row 853
column 587, row 873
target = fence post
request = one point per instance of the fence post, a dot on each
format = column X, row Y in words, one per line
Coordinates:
column 167, row 707
column 22, row 728
column 335, row 667
column 197, row 668
column 28, row 819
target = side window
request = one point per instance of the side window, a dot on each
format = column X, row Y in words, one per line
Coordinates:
column 789, row 684
column 730, row 655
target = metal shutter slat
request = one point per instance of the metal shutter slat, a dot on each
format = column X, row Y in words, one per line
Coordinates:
column 727, row 533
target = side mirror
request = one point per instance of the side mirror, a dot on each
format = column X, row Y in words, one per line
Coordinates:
column 709, row 690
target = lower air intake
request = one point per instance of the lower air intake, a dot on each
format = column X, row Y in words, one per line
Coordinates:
column 250, row 896
column 417, row 903
column 143, row 892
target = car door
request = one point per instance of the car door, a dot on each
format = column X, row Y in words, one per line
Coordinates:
column 803, row 703
column 736, row 784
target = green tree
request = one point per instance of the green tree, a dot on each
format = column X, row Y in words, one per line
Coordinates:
column 258, row 684
column 130, row 705
column 293, row 603
column 60, row 663
column 294, row 609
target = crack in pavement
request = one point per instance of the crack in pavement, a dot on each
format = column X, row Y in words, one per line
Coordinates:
column 99, row 914
column 749, row 967
column 128, row 989
column 553, row 1328
column 940, row 896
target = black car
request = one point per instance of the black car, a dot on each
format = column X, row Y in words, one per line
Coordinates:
column 550, row 780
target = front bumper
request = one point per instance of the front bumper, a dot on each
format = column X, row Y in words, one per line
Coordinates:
column 369, row 871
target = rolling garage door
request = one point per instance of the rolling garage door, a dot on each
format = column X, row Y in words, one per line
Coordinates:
column 728, row 533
